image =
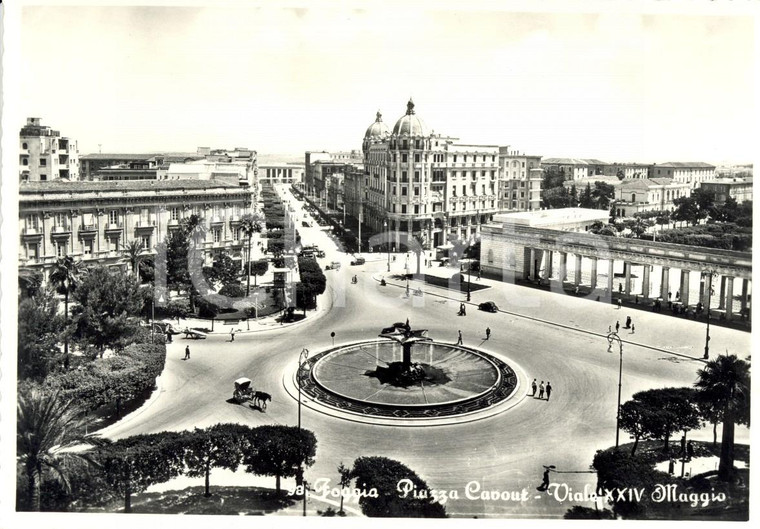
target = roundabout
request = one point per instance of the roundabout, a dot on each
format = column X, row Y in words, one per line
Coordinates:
column 392, row 383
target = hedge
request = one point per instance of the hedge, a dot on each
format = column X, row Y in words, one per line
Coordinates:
column 116, row 379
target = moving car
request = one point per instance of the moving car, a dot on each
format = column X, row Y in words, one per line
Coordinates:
column 488, row 306
column 358, row 261
column 335, row 265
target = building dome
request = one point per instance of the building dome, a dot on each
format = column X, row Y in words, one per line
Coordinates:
column 378, row 129
column 409, row 124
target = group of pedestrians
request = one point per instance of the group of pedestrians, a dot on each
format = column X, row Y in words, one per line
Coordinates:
column 628, row 325
column 541, row 389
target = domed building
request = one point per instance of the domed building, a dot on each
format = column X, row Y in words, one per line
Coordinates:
column 422, row 185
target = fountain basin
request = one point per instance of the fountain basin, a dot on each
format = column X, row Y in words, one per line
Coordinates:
column 458, row 380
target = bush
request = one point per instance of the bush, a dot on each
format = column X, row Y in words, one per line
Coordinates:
column 232, row 291
column 117, row 379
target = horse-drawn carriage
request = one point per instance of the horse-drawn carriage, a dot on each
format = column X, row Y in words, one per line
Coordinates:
column 244, row 392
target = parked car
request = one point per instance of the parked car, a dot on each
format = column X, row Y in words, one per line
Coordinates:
column 335, row 265
column 358, row 261
column 488, row 306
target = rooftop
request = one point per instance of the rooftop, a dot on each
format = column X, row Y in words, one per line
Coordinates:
column 545, row 217
column 56, row 186
column 683, row 165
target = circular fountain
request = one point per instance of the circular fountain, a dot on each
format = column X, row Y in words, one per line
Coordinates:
column 407, row 375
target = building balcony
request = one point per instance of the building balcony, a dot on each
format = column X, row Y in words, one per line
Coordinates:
column 31, row 232
column 114, row 226
column 145, row 225
column 61, row 231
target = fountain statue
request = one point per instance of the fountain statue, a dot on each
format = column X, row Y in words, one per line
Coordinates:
column 403, row 334
column 405, row 372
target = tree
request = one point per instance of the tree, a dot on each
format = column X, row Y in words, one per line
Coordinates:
column 29, row 282
column 726, row 381
column 552, row 177
column 107, row 303
column 667, row 411
column 635, row 419
column 216, row 446
column 65, row 277
column 344, row 481
column 47, row 427
column 133, row 253
column 258, row 268
column 279, row 451
column 587, row 200
column 132, row 464
column 39, row 327
column 384, row 475
column 224, row 271
column 250, row 224
column 603, row 194
column 687, row 210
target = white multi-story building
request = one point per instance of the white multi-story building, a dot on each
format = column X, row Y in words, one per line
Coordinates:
column 692, row 173
column 46, row 155
column 648, row 194
column 427, row 184
column 520, row 178
column 95, row 221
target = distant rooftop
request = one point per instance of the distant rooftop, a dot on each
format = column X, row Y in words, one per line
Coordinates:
column 56, row 186
column 544, row 217
column 686, row 165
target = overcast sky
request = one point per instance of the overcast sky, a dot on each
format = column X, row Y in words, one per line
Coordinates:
column 647, row 88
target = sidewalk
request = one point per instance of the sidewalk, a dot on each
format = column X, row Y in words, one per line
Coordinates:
column 658, row 331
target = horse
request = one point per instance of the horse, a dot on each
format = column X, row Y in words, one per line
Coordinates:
column 260, row 399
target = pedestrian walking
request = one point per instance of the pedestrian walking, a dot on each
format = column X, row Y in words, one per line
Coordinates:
column 609, row 329
column 541, row 390
column 545, row 480
column 620, row 287
column 577, row 290
column 459, row 339
column 628, row 322
column 488, row 333
column 232, row 335
column 478, row 274
column 620, row 303
column 548, row 390
column 535, row 387
column 187, row 352
column 617, row 326
column 633, row 328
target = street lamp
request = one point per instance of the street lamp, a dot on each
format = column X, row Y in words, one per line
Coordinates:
column 707, row 335
column 301, row 359
column 406, row 274
column 610, row 338
column 385, row 225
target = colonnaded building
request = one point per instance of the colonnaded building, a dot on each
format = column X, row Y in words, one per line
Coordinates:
column 95, row 221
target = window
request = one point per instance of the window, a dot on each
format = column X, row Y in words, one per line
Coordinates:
column 175, row 214
column 403, row 191
column 455, row 158
column 88, row 247
column 394, row 157
column 60, row 249
column 403, row 208
column 24, row 146
column 145, row 239
column 464, row 190
column 417, row 157
column 43, row 162
column 32, row 250
column 404, row 145
column 416, row 209
column 417, row 144
column 113, row 244
column 217, row 234
column 394, row 191
column 404, row 158
column 404, row 177
column 236, row 234
column 416, row 191
column 113, row 216
column 43, row 177
column 416, row 176
column 24, row 161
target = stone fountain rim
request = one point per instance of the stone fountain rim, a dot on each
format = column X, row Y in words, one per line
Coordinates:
column 321, row 355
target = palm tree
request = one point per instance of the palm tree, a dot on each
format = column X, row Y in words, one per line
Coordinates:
column 48, row 427
column 726, row 381
column 132, row 252
column 250, row 224
column 65, row 276
column 29, row 282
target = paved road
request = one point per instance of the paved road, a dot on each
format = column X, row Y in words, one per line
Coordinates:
column 505, row 452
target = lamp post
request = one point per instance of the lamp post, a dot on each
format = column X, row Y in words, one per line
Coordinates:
column 385, row 225
column 301, row 359
column 707, row 335
column 469, row 278
column 610, row 338
column 406, row 274
column 152, row 319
